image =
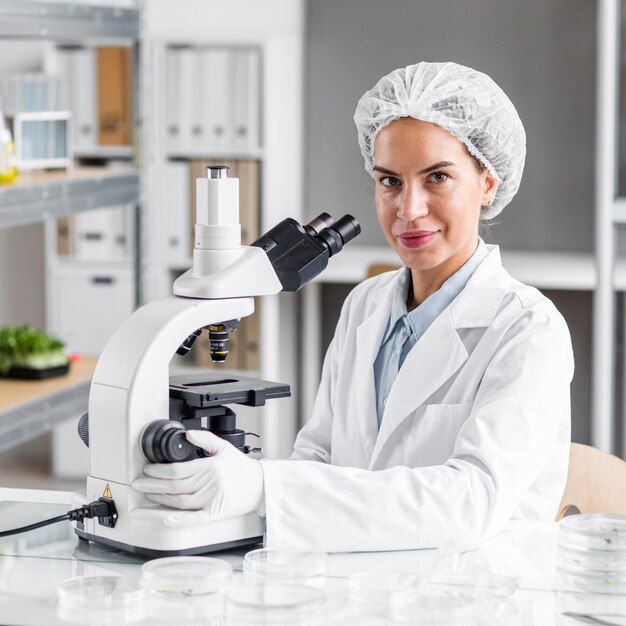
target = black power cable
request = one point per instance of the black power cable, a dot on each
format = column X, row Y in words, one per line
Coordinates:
column 104, row 509
column 23, row 529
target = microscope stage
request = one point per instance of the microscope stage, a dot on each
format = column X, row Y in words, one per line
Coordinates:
column 210, row 388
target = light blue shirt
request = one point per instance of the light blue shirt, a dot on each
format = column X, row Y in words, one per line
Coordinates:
column 404, row 329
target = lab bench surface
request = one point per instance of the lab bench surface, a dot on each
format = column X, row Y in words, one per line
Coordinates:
column 32, row 565
column 29, row 408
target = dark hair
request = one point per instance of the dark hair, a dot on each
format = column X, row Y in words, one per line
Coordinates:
column 484, row 226
column 480, row 166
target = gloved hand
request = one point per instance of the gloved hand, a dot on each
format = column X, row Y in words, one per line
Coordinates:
column 226, row 484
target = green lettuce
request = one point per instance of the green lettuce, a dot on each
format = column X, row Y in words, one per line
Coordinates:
column 23, row 346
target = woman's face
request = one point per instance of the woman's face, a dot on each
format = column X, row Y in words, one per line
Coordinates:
column 429, row 192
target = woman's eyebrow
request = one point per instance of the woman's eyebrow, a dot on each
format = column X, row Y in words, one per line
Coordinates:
column 430, row 168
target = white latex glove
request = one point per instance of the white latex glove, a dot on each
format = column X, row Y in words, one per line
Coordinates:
column 226, row 484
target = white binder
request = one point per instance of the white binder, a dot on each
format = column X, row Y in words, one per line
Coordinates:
column 82, row 94
column 174, row 198
column 217, row 98
column 172, row 98
column 247, row 95
column 187, row 94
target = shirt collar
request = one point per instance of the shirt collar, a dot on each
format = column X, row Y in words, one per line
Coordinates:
column 452, row 284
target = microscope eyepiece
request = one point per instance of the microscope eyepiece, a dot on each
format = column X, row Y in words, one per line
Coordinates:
column 347, row 227
column 299, row 253
column 319, row 223
column 339, row 234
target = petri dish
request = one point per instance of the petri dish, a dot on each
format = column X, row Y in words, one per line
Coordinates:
column 274, row 603
column 575, row 560
column 371, row 592
column 207, row 610
column 100, row 592
column 186, row 575
column 102, row 600
column 593, row 531
column 284, row 564
column 605, row 583
column 434, row 606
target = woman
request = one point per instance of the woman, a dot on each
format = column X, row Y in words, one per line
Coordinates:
column 443, row 410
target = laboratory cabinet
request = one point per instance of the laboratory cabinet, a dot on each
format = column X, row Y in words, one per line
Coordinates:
column 90, row 301
column 104, row 234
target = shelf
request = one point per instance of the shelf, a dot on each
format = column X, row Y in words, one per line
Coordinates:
column 105, row 152
column 213, row 155
column 30, row 408
column 56, row 194
column 544, row 270
column 66, row 21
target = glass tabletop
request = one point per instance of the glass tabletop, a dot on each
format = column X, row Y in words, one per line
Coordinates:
column 513, row 573
column 59, row 542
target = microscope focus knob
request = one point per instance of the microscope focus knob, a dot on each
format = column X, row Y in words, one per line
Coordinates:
column 164, row 441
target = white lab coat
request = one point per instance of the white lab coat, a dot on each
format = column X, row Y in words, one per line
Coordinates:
column 476, row 429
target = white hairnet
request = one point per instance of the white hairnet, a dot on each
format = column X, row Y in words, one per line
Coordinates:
column 463, row 101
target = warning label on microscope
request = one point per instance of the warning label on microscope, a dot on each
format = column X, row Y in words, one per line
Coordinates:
column 107, row 492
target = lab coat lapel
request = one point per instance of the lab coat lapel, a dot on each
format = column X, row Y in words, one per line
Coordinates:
column 440, row 351
column 430, row 363
column 369, row 336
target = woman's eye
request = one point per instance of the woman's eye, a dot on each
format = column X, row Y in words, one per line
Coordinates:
column 389, row 181
column 438, row 177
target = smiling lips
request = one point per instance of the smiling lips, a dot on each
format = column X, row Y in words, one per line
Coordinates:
column 417, row 238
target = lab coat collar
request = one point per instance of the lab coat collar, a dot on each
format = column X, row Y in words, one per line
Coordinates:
column 369, row 336
column 477, row 304
column 435, row 357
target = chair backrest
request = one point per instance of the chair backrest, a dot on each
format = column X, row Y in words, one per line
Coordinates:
column 379, row 268
column 596, row 482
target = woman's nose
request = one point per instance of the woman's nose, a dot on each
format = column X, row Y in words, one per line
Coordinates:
column 413, row 204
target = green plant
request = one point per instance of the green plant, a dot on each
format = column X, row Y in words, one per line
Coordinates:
column 23, row 346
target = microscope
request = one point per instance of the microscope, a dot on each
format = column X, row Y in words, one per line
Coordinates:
column 138, row 414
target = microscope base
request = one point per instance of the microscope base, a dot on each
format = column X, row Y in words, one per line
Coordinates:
column 142, row 530
column 152, row 553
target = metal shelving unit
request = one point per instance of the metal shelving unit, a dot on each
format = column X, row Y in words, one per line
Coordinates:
column 30, row 409
column 65, row 21
column 35, row 198
column 50, row 195
column 609, row 214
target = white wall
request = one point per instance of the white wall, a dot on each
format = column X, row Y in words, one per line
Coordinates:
column 541, row 53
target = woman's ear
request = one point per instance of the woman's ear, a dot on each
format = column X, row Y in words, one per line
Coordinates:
column 490, row 186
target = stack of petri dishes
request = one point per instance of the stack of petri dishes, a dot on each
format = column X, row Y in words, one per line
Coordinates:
column 591, row 553
column 280, row 587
